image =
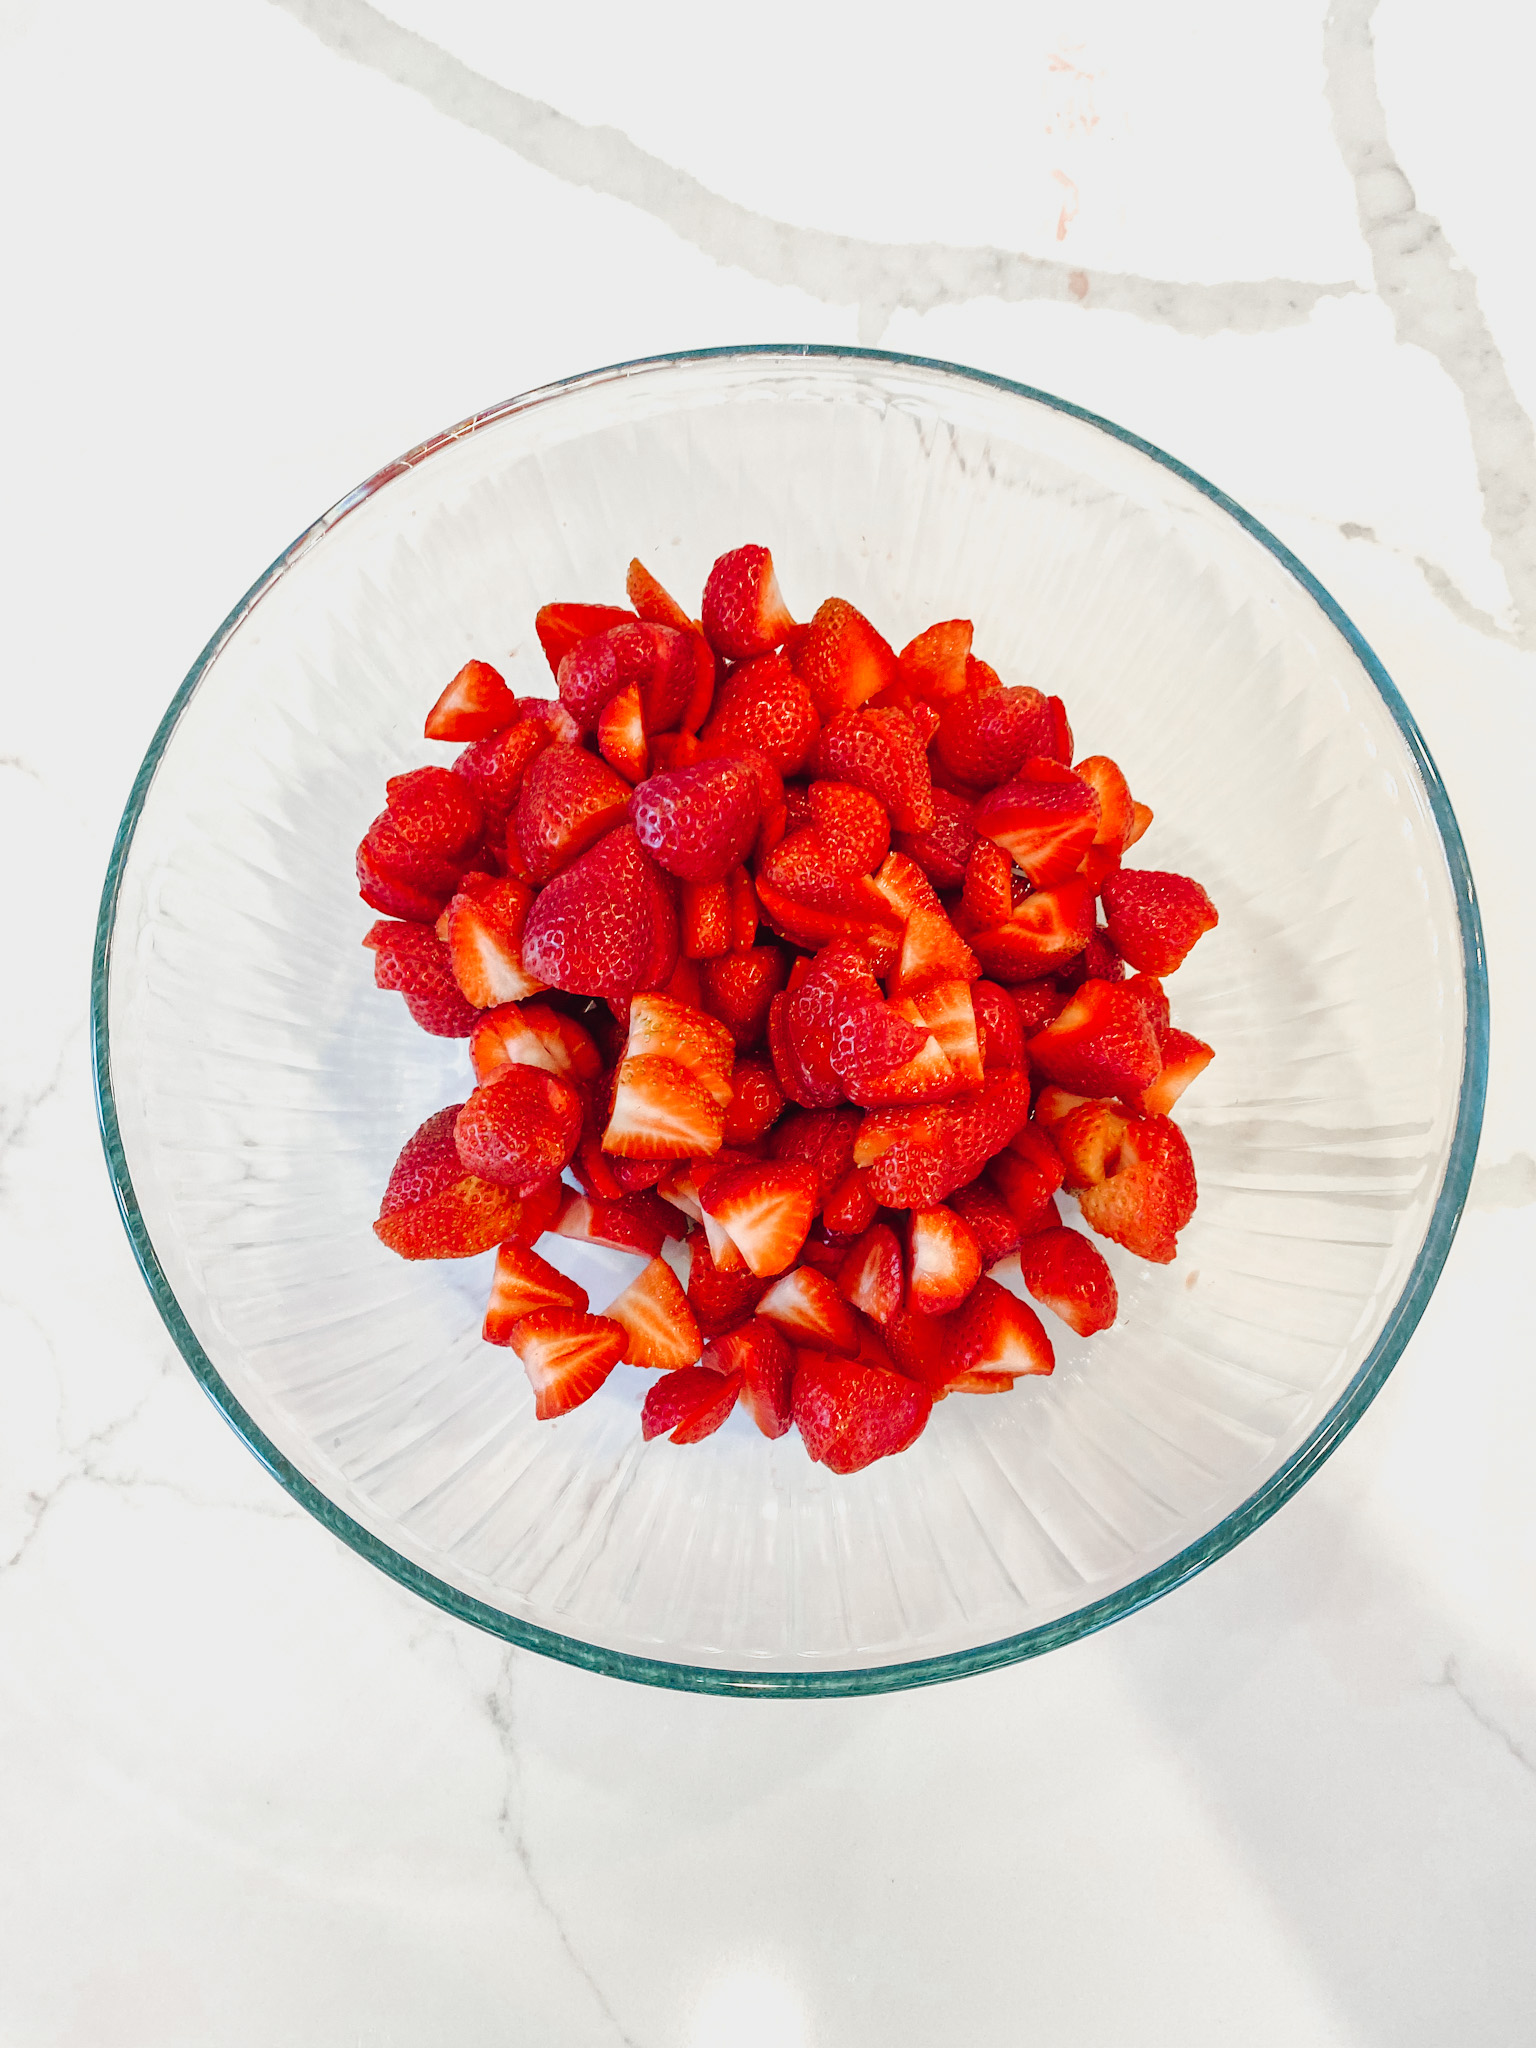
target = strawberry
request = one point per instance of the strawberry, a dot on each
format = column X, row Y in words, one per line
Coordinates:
column 923, row 1348
column 763, row 708
column 522, row 1283
column 561, row 626
column 1089, row 1141
column 1154, row 918
column 998, row 1333
column 720, row 1300
column 945, row 1008
column 1116, row 816
column 746, row 913
column 658, row 1323
column 987, row 733
column 1148, row 991
column 567, row 1355
column 1059, row 747
column 676, row 1031
column 552, row 715
column 814, row 1085
column 944, row 848
column 388, row 879
column 658, row 662
column 520, row 1127
column 990, row 1221
column 918, row 1156
column 842, row 660
column 699, row 822
column 810, row 1311
column 433, row 1208
column 660, row 1111
column 651, row 602
column 822, row 1139
column 851, row 1207
column 879, row 751
column 766, row 1364
column 532, row 1035
column 1098, row 961
column 766, row 1208
column 475, row 704
column 997, row 1025
column 494, row 768
column 689, row 1405
column 849, row 1414
column 621, row 735
column 1184, row 1058
column 1053, row 1106
column 639, row 1222
column 1046, row 819
column 1028, row 1170
column 931, row 951
column 569, row 799
column 435, row 813
column 739, row 989
column 744, row 614
column 943, row 1260
column 1141, row 818
column 933, row 666
column 871, row 1276
column 756, row 1102
column 1150, row 1196
column 1044, row 931
column 483, row 930
column 1035, row 1003
column 412, row 959
column 599, row 927
column 1100, row 1044
column 987, row 895
column 704, row 924
column 1067, row 1274
column 672, row 750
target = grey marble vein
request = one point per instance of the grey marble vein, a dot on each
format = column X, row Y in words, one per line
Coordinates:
column 1511, row 1184
column 15, row 1117
column 1432, row 298
column 1451, row 1679
column 19, row 767
column 1442, row 584
column 880, row 278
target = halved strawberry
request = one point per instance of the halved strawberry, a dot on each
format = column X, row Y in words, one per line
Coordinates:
column 1150, row 1196
column 1155, row 918
column 433, row 1208
column 413, row 960
column 1052, row 1106
column 568, row 800
column 744, row 613
column 989, row 1219
column 1046, row 819
column 879, row 751
column 999, row 1334
column 1067, row 1274
column 1036, row 1002
column 815, row 1087
column 1089, row 1142
column 1184, row 1059
column 919, row 1156
column 475, row 704
column 651, row 601
column 689, row 1405
column 745, row 913
column 661, row 1026
column 699, row 822
column 931, row 951
column 764, row 708
column 1149, row 992
column 1116, row 816
column 739, row 989
column 850, row 1414
column 719, row 1299
column 943, row 1260
column 1141, row 818
column 560, row 626
column 658, row 1324
column 662, row 1111
column 640, row 1222
column 766, row 1208
column 810, row 1311
column 842, row 660
column 483, row 930
column 600, row 927
column 435, row 813
column 704, row 925
column 998, row 1031
column 520, row 1127
column 567, row 1355
column 756, row 1102
column 943, row 850
column 1098, row 961
column 932, row 666
column 1029, row 1169
column 945, row 1008
column 987, row 732
column 1044, row 931
column 1100, row 1044
column 621, row 735
column 533, row 1035
column 494, row 768
column 766, row 1364
column 521, row 1283
column 871, row 1276
column 388, row 879
column 851, row 1207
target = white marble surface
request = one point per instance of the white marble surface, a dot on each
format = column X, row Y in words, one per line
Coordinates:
column 250, row 1791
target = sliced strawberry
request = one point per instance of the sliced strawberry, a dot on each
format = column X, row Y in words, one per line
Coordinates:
column 661, row 1111
column 567, row 1355
column 720, row 1300
column 484, row 933
column 1028, row 1170
column 763, row 708
column 1052, row 1106
column 560, row 626
column 621, row 735
column 657, row 1321
column 699, row 822
column 816, row 1087
column 411, row 959
column 933, row 665
column 569, row 799
column 879, row 751
column 822, row 1139
column 989, row 1219
column 595, row 928
column 1116, row 816
column 919, row 1156
column 1045, row 818
column 766, row 1364
column 756, row 1101
column 943, row 850
column 522, row 1283
column 850, row 1414
column 851, row 1207
column 871, row 1276
column 842, row 660
column 475, row 704
column 1101, row 1044
column 677, row 1031
column 533, row 1035
column 986, row 733
column 651, row 601
column 997, row 1025
column 1046, row 929
column 384, row 886
column 943, row 1260
column 1155, row 918
column 1141, row 818
column 1098, row 961
column 671, row 750
column 552, row 715
column 704, row 926
column 1184, row 1059
column 739, row 989
column 744, row 614
column 1089, row 1141
column 1067, row 1275
column 932, row 951
column 745, row 913
column 433, row 1208
column 520, row 1127
column 810, row 1311
column 861, row 923
column 997, row 1333
column 494, row 768
column 766, row 1208
column 1149, row 992
column 1150, row 1196
column 639, row 1222
column 657, row 662
column 689, row 1405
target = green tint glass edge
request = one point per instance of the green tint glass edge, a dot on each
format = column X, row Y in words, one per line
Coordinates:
column 1280, row 1485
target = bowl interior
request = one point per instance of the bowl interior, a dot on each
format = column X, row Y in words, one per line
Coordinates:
column 262, row 1086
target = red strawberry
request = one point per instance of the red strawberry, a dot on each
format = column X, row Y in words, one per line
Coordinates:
column 943, row 850
column 756, row 1101
column 689, row 1405
column 998, row 1333
column 1053, row 1106
column 766, row 1208
column 1148, row 991
column 1100, row 1044
column 1028, row 1170
column 745, row 912
column 815, row 1086
column 670, row 1030
column 1046, row 819
column 699, row 822
column 945, row 1008
column 413, row 959
column 763, row 708
column 997, row 1025
column 1036, row 1003
column 475, row 704
column 672, row 750
column 483, row 930
column 1116, row 816
column 810, row 1311
column 657, row 662
column 704, row 924
column 595, row 928
column 931, row 951
column 533, row 1035
column 822, row 1139
column 879, row 751
column 842, row 660
column 918, row 1156
column 987, row 733
column 739, row 989
column 389, row 880
column 766, row 1364
column 660, row 1111
column 1089, row 1141
column 520, row 1127
column 1184, row 1059
column 744, row 614
column 621, row 735
column 851, row 1207
column 494, row 768
column 933, row 666
column 943, row 1260
column 1150, row 1196
column 1098, row 961
column 1154, row 918
column 435, row 813
column 560, row 626
column 871, row 1275
column 522, row 1283
column 1068, row 1275
column 1045, row 930
column 639, row 1222
column 1141, row 818
column 851, row 1414
column 651, row 601
column 432, row 1208
column 569, row 799
column 658, row 1323
column 567, row 1355
column 989, row 1219
column 720, row 1300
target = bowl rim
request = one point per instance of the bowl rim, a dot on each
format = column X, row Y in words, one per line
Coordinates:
column 1275, row 1490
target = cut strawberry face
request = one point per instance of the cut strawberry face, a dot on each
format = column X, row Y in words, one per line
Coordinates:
column 719, row 1299
column 413, row 960
column 999, row 1334
column 1155, row 918
column 1044, row 931
column 533, row 1035
column 766, row 1208
column 1141, row 818
column 661, row 1026
column 744, row 613
column 522, row 1283
column 811, row 1312
column 569, row 799
column 621, row 735
column 919, row 1156
column 560, row 626
column 699, row 822
column 932, row 951
column 658, row 1324
column 660, row 1111
column 567, row 1356
column 842, row 660
column 1067, row 1275
column 872, row 1276
column 689, row 1405
column 998, row 1031
column 739, row 989
column 483, row 932
column 597, row 927
column 943, row 850
column 520, row 1127
column 766, row 1364
column 763, row 708
column 1101, row 1044
column 639, row 1222
column 943, row 1260
column 475, row 704
column 933, row 666
column 1185, row 1058
column 989, row 1219
column 651, row 601
column 879, row 751
column 1150, row 1196
column 849, row 1414
column 945, row 1008
column 494, row 768
column 1117, row 814
column 756, row 1102
column 1052, row 1106
column 433, row 1208
column 1045, row 819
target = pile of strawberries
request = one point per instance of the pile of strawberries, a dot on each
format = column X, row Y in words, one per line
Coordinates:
column 784, row 944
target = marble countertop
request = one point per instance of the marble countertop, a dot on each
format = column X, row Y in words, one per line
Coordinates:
column 252, row 1791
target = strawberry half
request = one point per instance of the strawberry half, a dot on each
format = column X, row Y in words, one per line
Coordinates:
column 651, row 601
column 739, row 989
column 494, row 768
column 569, row 799
column 763, row 708
column 522, row 1283
column 720, row 1300
column 567, row 1355
column 600, row 927
column 842, row 660
column 766, row 1208
column 986, row 733
column 1150, row 1196
column 1184, row 1059
column 1068, row 1275
column 1154, row 918
column 933, row 665
column 810, row 1311
column 918, row 1156
column 1043, row 932
column 621, row 735
column 433, row 1208
column 1101, row 1044
column 871, row 1275
column 520, row 1127
column 943, row 1260
column 658, row 1324
column 533, row 1035
column 849, row 1414
column 759, row 1354
column 483, row 930
column 660, row 1111
column 704, row 924
column 475, row 704
column 662, row 1027
column 699, row 822
column 560, row 626
column 882, row 752
column 988, row 1217
column 411, row 959
column 851, row 1207
column 744, row 613
column 640, row 1222
column 1046, row 819
column 689, row 1405
column 997, row 1334
column 998, row 1030
column 757, row 1102
column 943, row 850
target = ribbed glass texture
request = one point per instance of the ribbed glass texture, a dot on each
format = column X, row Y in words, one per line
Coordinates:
column 255, row 1087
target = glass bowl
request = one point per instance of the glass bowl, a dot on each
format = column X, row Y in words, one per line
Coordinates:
column 254, row 1088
